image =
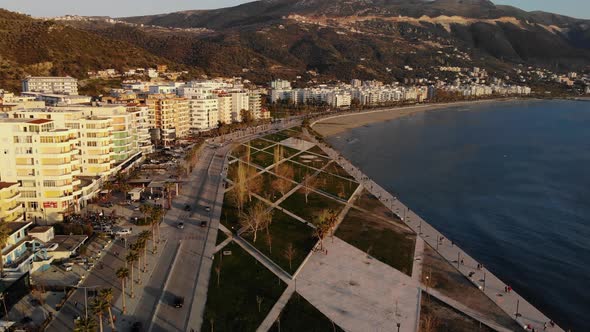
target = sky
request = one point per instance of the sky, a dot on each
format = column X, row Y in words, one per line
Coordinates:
column 119, row 8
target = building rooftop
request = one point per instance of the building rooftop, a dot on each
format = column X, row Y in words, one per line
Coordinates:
column 40, row 229
column 39, row 121
column 68, row 242
column 4, row 185
column 16, row 226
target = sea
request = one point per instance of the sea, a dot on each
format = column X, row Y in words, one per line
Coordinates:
column 509, row 182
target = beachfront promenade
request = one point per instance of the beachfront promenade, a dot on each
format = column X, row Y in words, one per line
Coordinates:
column 510, row 302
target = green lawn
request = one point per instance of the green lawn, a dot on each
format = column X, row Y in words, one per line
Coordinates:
column 309, row 211
column 311, row 160
column 388, row 243
column 336, row 169
column 230, row 214
column 261, row 144
column 317, row 150
column 220, row 237
column 299, row 315
column 336, row 186
column 285, row 230
column 233, row 305
column 370, row 203
column 262, row 159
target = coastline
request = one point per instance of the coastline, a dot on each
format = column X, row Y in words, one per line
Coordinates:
column 337, row 124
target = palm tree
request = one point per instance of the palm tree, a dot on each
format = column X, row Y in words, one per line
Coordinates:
column 98, row 308
column 123, row 274
column 144, row 237
column 131, row 258
column 157, row 216
column 106, row 294
column 4, row 235
column 85, row 324
column 145, row 209
column 140, row 246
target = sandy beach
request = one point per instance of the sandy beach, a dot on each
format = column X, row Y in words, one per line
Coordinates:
column 340, row 123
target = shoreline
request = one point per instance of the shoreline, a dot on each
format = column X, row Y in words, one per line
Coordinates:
column 338, row 124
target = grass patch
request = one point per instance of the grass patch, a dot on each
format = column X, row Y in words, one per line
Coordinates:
column 437, row 316
column 220, row 237
column 336, row 186
column 261, row 144
column 367, row 201
column 388, row 243
column 315, row 205
column 262, row 159
column 285, row 230
column 336, row 169
column 233, row 305
column 311, row 160
column 317, row 150
column 300, row 315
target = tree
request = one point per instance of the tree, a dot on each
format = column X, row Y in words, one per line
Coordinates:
column 429, row 323
column 144, row 237
column 123, row 273
column 131, row 258
column 157, row 215
column 257, row 217
column 255, row 183
column 106, row 294
column 98, row 308
column 289, row 253
column 85, row 324
column 269, row 240
column 278, row 154
column 4, row 235
column 259, row 301
column 285, row 174
column 309, row 184
column 218, row 272
column 325, row 222
column 146, row 210
column 240, row 189
column 169, row 186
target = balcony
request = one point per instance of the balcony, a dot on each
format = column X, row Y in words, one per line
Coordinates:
column 11, row 198
column 13, row 209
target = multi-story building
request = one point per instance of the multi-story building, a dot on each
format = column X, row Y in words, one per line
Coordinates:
column 140, row 115
column 170, row 115
column 53, row 85
column 11, row 209
column 255, row 104
column 204, row 113
column 43, row 160
column 240, row 102
column 224, row 107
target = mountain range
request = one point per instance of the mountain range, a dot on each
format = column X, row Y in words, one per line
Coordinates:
column 332, row 39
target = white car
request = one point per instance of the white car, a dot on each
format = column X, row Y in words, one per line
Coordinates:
column 123, row 231
column 51, row 247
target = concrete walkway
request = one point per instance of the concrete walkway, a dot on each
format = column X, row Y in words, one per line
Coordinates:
column 357, row 292
column 511, row 303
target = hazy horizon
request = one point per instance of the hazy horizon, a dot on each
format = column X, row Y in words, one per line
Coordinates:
column 116, row 8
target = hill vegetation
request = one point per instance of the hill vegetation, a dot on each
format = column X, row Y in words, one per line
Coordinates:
column 36, row 47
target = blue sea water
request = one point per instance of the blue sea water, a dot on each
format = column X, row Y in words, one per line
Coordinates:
column 509, row 182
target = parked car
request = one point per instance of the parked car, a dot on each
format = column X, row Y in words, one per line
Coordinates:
column 207, row 208
column 67, row 266
column 203, row 223
column 180, row 225
column 178, row 301
column 51, row 246
column 187, row 207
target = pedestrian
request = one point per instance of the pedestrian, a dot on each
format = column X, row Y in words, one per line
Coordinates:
column 76, row 304
column 505, row 289
column 462, row 263
column 544, row 326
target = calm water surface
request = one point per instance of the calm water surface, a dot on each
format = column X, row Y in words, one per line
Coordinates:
column 508, row 182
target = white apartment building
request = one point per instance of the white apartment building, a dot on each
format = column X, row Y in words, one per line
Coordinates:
column 43, row 160
column 240, row 102
column 204, row 114
column 224, row 108
column 52, row 85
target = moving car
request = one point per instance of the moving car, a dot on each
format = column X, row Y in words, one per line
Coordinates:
column 123, row 231
column 208, row 208
column 178, row 302
column 187, row 208
column 203, row 223
column 180, row 225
